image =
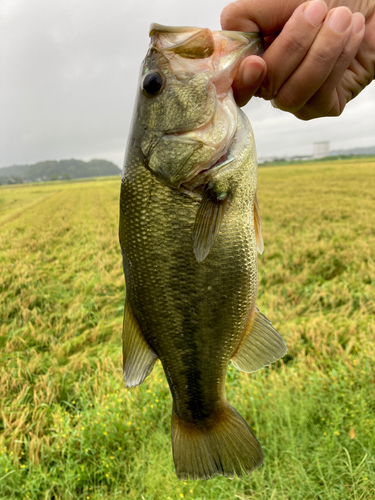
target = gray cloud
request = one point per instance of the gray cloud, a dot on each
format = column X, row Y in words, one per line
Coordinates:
column 280, row 134
column 70, row 71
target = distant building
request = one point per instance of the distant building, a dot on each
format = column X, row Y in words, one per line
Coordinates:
column 264, row 159
column 321, row 149
column 301, row 158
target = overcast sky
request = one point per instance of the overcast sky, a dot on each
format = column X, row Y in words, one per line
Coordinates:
column 68, row 76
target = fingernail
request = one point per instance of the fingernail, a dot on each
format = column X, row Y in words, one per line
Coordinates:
column 340, row 19
column 315, row 12
column 358, row 22
column 251, row 73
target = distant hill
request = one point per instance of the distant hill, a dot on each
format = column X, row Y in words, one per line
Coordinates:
column 354, row 151
column 54, row 170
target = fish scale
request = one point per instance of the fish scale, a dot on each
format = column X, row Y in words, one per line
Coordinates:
column 189, row 246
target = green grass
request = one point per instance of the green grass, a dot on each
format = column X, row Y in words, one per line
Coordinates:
column 68, row 427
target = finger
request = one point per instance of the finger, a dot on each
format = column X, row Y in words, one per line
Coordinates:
column 340, row 86
column 253, row 15
column 290, row 48
column 319, row 62
column 248, row 79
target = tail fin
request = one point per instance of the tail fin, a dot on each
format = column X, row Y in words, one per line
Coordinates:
column 226, row 446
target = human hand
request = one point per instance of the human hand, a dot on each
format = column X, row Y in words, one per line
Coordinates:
column 318, row 56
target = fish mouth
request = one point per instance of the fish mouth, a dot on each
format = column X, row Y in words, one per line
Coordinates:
column 178, row 35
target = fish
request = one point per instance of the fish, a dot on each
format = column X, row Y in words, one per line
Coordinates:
column 189, row 230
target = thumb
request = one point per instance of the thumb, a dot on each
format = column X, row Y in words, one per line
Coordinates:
column 249, row 78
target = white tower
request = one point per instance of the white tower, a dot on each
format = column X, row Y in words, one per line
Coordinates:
column 321, row 149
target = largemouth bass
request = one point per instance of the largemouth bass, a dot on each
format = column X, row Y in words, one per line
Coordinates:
column 189, row 232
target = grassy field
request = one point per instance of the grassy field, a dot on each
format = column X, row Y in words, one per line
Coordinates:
column 68, row 427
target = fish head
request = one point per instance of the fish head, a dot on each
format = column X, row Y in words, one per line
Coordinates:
column 186, row 116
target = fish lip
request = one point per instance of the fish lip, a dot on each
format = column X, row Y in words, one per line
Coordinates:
column 156, row 28
column 161, row 28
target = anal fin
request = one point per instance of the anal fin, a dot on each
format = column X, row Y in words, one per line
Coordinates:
column 261, row 346
column 138, row 357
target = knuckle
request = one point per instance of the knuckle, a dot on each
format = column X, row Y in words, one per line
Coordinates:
column 350, row 49
column 320, row 106
column 239, row 16
column 266, row 92
column 296, row 45
column 234, row 16
column 227, row 15
column 305, row 115
column 325, row 56
column 269, row 87
column 288, row 100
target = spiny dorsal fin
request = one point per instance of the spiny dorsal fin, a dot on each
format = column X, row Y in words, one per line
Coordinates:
column 261, row 346
column 207, row 222
column 258, row 226
column 138, row 357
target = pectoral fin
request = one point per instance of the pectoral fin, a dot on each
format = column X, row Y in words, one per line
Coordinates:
column 258, row 226
column 138, row 357
column 261, row 346
column 207, row 222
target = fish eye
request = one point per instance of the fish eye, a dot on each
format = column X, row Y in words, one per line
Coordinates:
column 152, row 83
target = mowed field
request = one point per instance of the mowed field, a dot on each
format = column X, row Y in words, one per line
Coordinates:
column 68, row 427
